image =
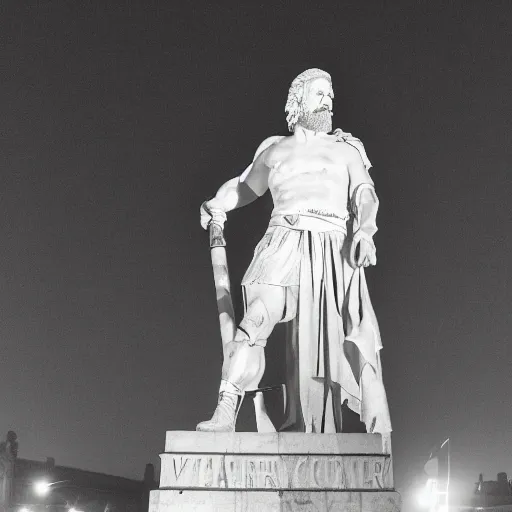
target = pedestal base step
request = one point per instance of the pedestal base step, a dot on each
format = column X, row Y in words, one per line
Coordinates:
column 273, row 501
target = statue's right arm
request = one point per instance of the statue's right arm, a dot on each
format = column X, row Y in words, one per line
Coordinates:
column 250, row 185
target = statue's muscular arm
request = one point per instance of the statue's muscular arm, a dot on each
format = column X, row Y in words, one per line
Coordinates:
column 250, row 185
column 365, row 205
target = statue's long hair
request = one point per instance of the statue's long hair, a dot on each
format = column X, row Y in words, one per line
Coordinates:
column 294, row 106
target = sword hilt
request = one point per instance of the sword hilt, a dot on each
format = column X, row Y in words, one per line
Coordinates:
column 216, row 235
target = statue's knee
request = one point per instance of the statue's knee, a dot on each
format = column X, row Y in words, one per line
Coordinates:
column 248, row 331
column 245, row 336
column 232, row 348
column 255, row 326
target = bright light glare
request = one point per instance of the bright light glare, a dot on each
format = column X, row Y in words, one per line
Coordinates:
column 427, row 498
column 42, row 488
column 74, row 510
column 24, row 509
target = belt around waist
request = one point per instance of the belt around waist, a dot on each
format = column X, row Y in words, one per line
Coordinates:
column 307, row 223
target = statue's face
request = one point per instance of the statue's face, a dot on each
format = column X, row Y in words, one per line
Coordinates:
column 318, row 96
column 316, row 109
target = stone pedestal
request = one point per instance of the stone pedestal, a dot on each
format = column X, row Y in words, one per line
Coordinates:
column 279, row 472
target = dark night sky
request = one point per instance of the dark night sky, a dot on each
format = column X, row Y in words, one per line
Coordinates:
column 119, row 118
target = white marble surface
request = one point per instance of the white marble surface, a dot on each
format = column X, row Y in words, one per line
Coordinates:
column 265, row 501
column 274, row 443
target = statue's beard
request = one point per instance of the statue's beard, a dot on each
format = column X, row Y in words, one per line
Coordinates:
column 316, row 121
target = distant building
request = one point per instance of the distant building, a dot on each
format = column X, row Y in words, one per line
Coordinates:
column 70, row 488
column 493, row 493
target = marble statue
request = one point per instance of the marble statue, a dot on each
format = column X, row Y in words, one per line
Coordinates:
column 308, row 270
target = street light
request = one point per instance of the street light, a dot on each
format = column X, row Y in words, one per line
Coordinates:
column 43, row 487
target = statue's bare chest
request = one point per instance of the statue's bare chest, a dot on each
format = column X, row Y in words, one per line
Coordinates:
column 295, row 163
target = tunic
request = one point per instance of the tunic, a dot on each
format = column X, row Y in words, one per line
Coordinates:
column 333, row 342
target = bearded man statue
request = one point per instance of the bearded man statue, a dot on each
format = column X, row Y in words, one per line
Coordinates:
column 308, row 270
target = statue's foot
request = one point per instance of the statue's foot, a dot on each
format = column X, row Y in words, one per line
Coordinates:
column 226, row 412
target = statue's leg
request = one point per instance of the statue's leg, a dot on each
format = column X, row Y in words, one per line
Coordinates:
column 244, row 357
column 244, row 362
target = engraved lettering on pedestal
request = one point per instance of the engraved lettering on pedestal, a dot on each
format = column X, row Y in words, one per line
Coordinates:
column 289, row 464
column 299, row 477
column 345, row 473
column 280, row 472
column 195, row 477
column 367, row 475
column 378, row 475
column 222, row 479
column 235, row 475
column 350, row 466
column 251, row 477
column 269, row 475
column 317, row 477
column 182, row 464
column 208, row 472
column 356, row 477
column 325, row 473
column 387, row 474
column 343, row 482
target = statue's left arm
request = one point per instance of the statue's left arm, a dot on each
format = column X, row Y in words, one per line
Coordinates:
column 364, row 204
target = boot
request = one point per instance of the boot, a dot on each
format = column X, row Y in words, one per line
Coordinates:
column 224, row 417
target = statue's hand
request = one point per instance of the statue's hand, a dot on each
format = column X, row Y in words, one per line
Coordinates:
column 210, row 212
column 363, row 252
